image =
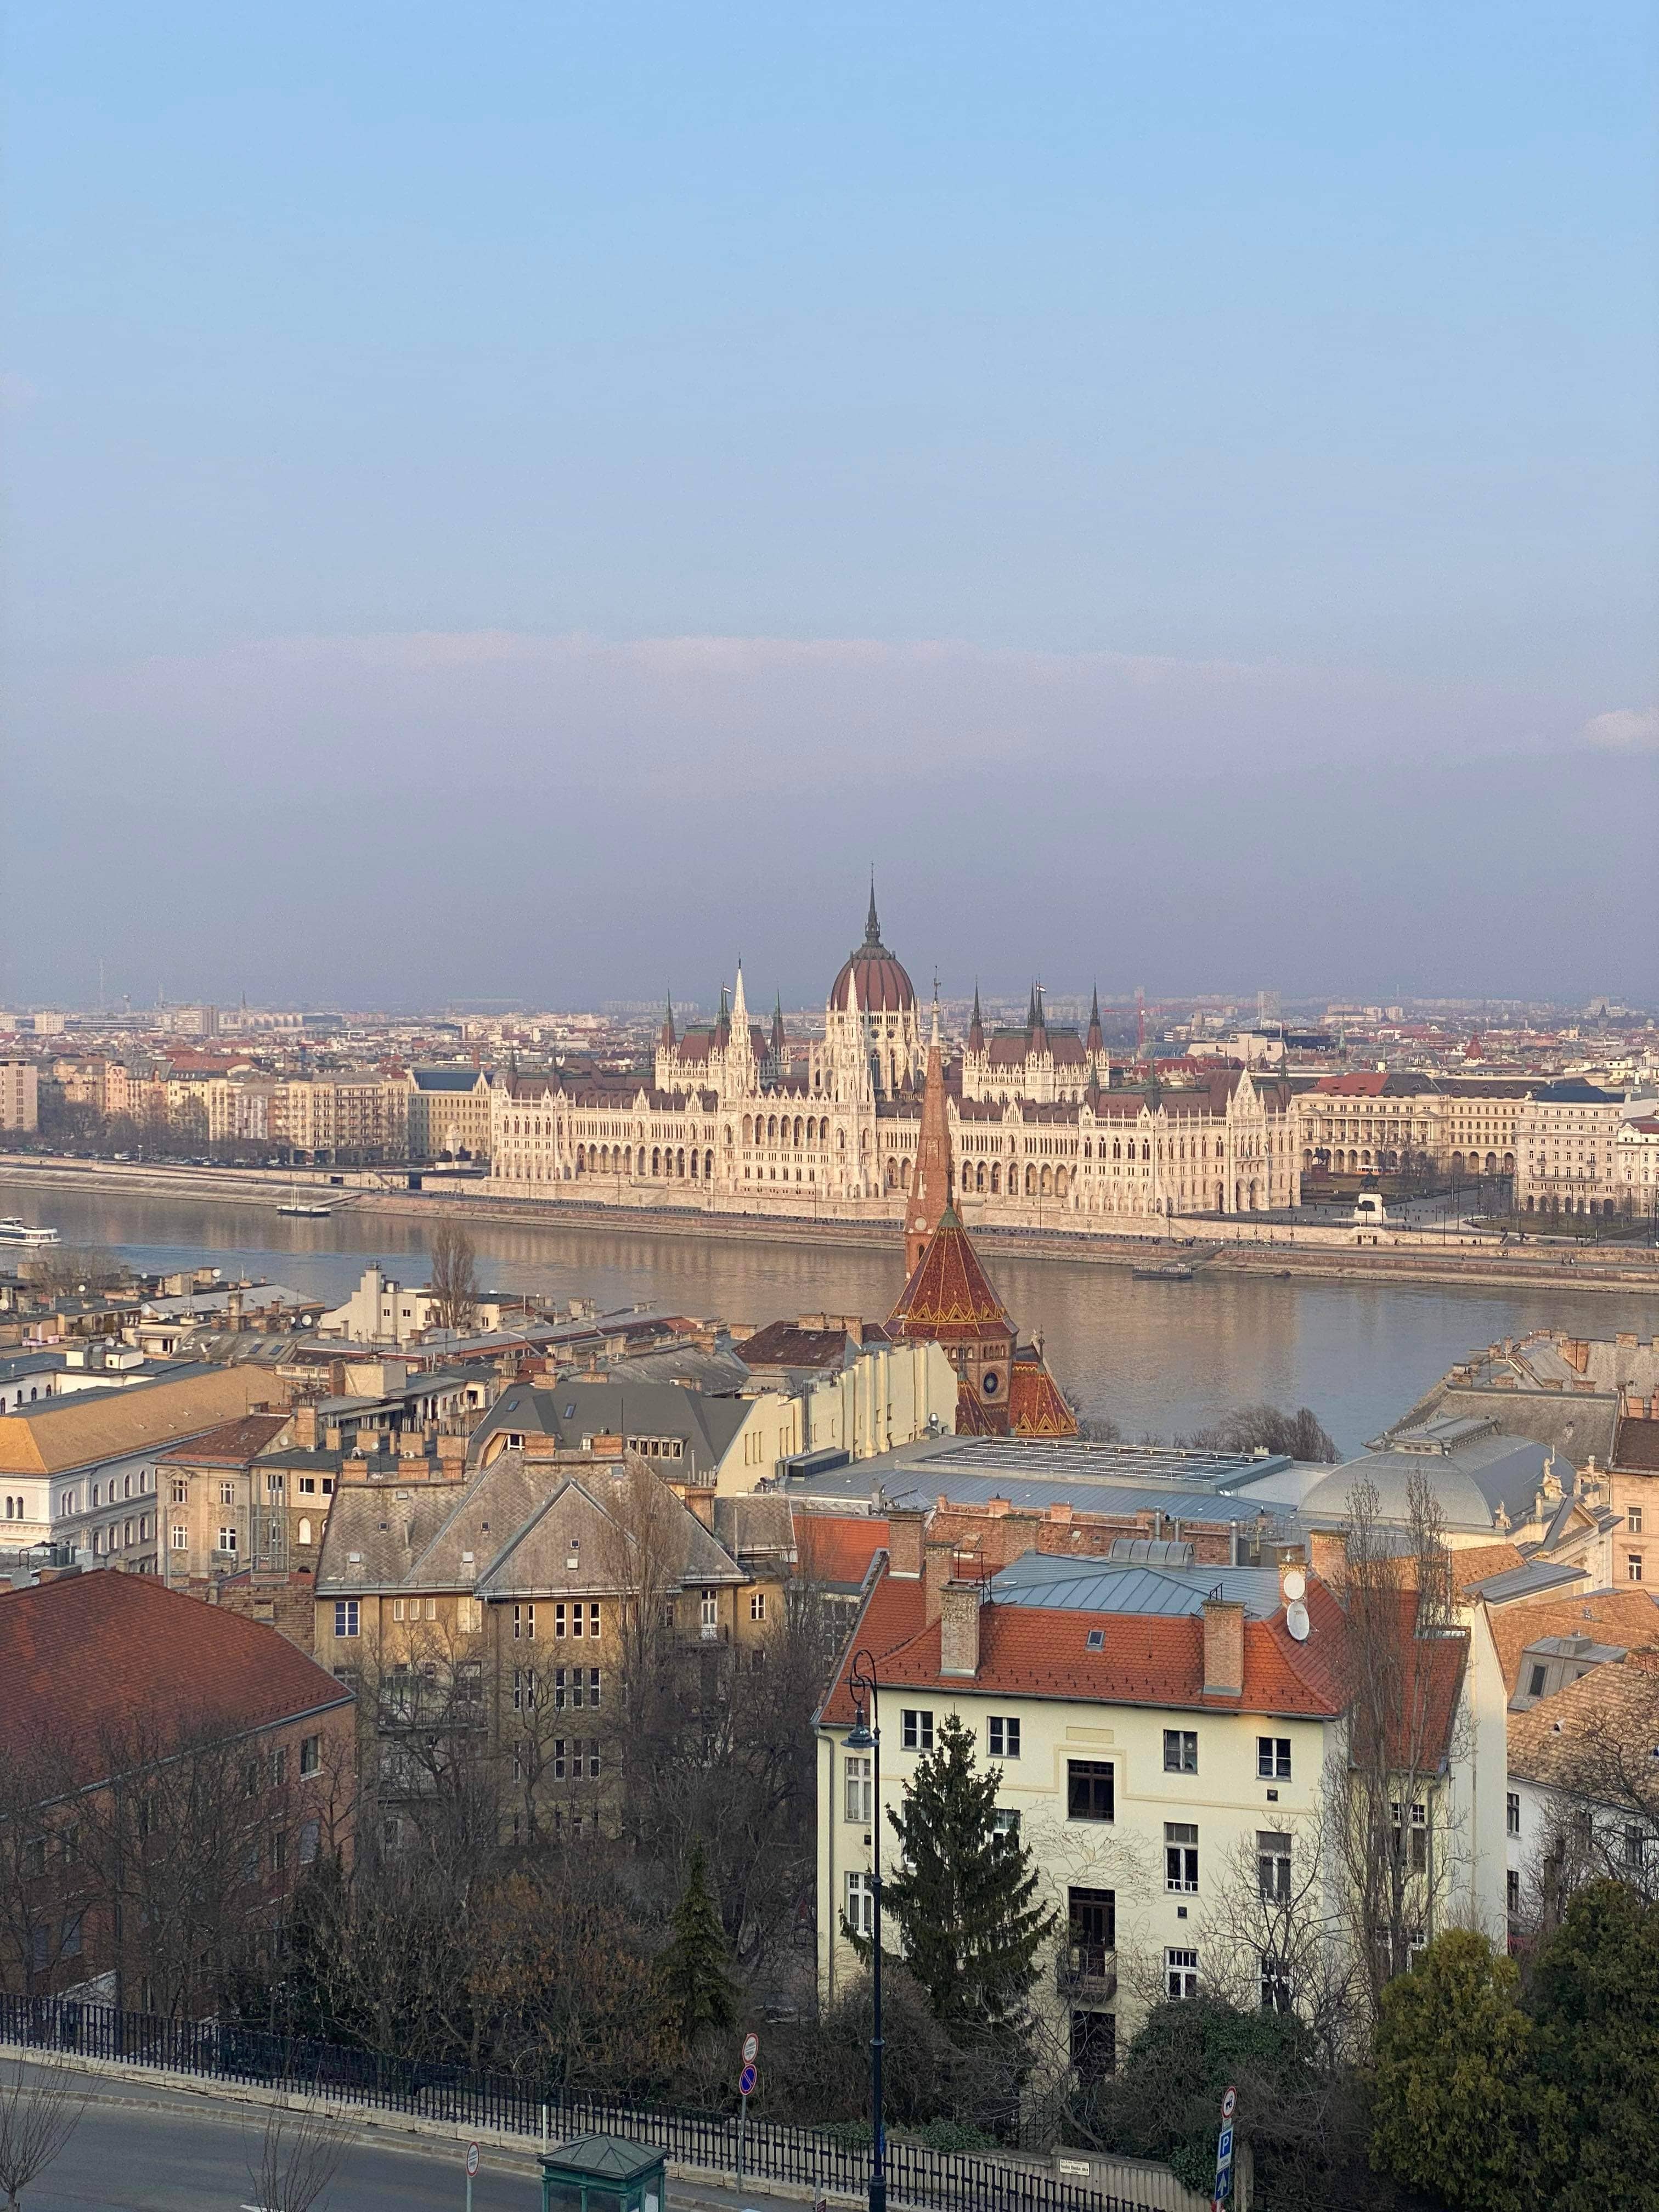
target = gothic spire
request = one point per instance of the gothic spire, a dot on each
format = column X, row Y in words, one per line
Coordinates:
column 668, row 1037
column 1032, row 1017
column 977, row 1027
column 872, row 926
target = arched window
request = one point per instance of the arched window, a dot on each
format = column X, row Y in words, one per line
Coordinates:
column 1117, row 1148
column 771, row 1128
column 996, row 1180
column 978, row 1177
column 1030, row 1181
column 707, row 1167
column 682, row 1164
column 694, row 1163
column 799, row 1128
column 1145, row 1148
column 305, row 1532
column 656, row 1160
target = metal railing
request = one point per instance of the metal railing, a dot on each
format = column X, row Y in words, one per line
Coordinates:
column 1088, row 1969
column 938, row 2181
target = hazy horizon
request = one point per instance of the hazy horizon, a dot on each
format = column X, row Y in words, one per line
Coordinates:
column 532, row 504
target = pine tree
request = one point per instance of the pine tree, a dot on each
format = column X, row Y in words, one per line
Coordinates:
column 960, row 1900
column 696, row 1988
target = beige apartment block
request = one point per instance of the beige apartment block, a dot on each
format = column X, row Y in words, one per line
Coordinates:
column 20, row 1095
column 1570, row 1160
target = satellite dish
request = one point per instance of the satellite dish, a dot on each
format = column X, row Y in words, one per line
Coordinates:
column 1296, row 1619
column 1294, row 1584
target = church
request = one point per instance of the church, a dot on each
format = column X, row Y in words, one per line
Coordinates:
column 735, row 1120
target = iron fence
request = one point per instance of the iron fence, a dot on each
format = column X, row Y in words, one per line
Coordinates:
column 934, row 2180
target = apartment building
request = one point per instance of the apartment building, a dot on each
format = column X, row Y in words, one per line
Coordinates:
column 20, row 1095
column 448, row 1112
column 1167, row 1736
column 1375, row 1122
column 497, row 1620
column 334, row 1117
column 1570, row 1159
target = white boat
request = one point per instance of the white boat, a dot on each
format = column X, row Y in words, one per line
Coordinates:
column 14, row 1231
column 307, row 1211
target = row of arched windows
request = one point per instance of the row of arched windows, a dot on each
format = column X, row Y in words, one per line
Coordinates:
column 780, row 1130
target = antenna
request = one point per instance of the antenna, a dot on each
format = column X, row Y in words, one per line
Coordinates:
column 1296, row 1620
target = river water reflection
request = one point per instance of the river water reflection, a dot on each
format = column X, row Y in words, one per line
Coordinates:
column 1158, row 1358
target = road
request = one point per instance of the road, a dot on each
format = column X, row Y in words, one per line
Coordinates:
column 142, row 2149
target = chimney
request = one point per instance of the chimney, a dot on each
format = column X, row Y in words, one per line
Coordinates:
column 305, row 1428
column 1327, row 1556
column 958, row 1641
column 1224, row 1648
column 906, row 1531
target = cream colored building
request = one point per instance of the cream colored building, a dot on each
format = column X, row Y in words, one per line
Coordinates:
column 1373, row 1123
column 1636, row 1166
column 1165, row 1762
column 331, row 1116
column 20, row 1095
column 732, row 1124
column 449, row 1113
column 1570, row 1159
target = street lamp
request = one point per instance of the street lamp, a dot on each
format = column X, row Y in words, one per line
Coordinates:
column 861, row 1736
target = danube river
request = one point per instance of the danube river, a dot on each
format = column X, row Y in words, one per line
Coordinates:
column 1158, row 1359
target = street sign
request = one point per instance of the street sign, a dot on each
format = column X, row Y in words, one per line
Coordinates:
column 746, row 2081
column 471, row 2159
column 1224, row 2152
column 1230, row 2104
column 750, row 2048
column 1223, row 2149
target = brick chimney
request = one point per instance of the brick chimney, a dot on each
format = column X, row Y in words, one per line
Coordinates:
column 906, row 1531
column 1224, row 1648
column 1327, row 1556
column 958, row 1642
column 305, row 1428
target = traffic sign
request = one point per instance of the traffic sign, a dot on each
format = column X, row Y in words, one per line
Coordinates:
column 750, row 2048
column 746, row 2081
column 471, row 2160
column 1230, row 2104
column 1223, row 2149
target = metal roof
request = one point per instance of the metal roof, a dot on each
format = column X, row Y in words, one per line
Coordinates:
column 1059, row 1585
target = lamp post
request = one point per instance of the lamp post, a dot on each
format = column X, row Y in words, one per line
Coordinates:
column 862, row 1736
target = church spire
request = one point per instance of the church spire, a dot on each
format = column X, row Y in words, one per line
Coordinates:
column 1032, row 1018
column 930, row 1183
column 871, row 926
column 723, row 1021
column 977, row 1027
column 778, row 1039
column 1095, row 1041
column 667, row 1039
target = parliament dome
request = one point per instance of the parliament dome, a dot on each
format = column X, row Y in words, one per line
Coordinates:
column 882, row 986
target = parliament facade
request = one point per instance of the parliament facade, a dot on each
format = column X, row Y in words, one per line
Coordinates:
column 734, row 1121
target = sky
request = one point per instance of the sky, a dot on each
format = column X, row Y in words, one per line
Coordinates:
column 531, row 501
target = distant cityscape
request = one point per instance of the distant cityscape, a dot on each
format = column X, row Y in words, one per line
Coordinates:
column 1104, row 1115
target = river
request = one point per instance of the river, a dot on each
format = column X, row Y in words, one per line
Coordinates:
column 1159, row 1358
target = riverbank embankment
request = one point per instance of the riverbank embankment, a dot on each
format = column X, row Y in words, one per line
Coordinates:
column 1457, row 1257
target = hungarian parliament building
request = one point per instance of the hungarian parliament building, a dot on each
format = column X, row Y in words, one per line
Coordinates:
column 735, row 1121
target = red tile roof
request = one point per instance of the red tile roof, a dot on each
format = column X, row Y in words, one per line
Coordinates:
column 232, row 1442
column 1036, row 1406
column 837, row 1548
column 99, row 1652
column 1144, row 1660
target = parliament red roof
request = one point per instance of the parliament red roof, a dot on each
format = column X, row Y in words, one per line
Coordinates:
column 949, row 1297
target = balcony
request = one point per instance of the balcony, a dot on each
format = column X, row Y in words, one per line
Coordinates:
column 1085, row 1969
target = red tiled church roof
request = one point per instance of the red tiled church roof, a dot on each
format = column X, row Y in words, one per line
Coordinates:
column 949, row 1297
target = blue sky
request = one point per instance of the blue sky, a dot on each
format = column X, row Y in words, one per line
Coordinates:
column 1141, row 475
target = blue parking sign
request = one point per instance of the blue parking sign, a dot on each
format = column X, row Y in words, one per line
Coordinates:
column 1223, row 2149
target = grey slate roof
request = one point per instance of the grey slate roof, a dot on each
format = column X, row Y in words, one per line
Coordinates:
column 574, row 1409
column 1062, row 1585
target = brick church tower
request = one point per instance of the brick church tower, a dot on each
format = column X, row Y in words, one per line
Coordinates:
column 930, row 1180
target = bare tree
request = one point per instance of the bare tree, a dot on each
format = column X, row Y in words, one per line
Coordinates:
column 1273, row 1938
column 65, row 1271
column 1404, row 1665
column 454, row 1278
column 298, row 2154
column 40, row 2111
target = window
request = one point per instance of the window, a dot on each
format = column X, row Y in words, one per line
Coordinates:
column 709, row 1609
column 1633, row 1519
column 1512, row 1813
column 1512, row 1890
column 308, row 1486
column 1004, row 1736
column 1179, row 1855
column 227, row 1494
column 310, row 1754
column 1275, row 1983
column 1090, row 1930
column 70, row 1946
column 251, row 1778
column 180, row 1493
column 397, row 1608
column 278, row 1851
column 916, row 1728
column 592, row 1759
column 1005, row 1820
column 1633, row 1566
column 310, row 1837
column 524, row 1622
column 305, row 1531
column 1089, row 1789
column 278, row 1765
column 345, row 1616
column 179, row 1536
column 524, row 1689
column 34, row 1858
column 1181, row 1751
column 468, row 1614
column 1273, row 1758
column 1094, row 2044
column 860, row 1905
column 859, row 1798
column 226, row 1539
column 1535, row 1682
column 1272, row 1865
column 1420, row 1835
column 1181, row 1973
column 1635, row 1849
column 757, row 1606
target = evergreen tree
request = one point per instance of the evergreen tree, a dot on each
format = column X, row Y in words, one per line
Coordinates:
column 1595, row 2002
column 1449, row 2114
column 696, row 1988
column 960, row 1900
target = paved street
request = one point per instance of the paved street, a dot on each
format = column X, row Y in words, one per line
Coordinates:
column 153, row 2150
